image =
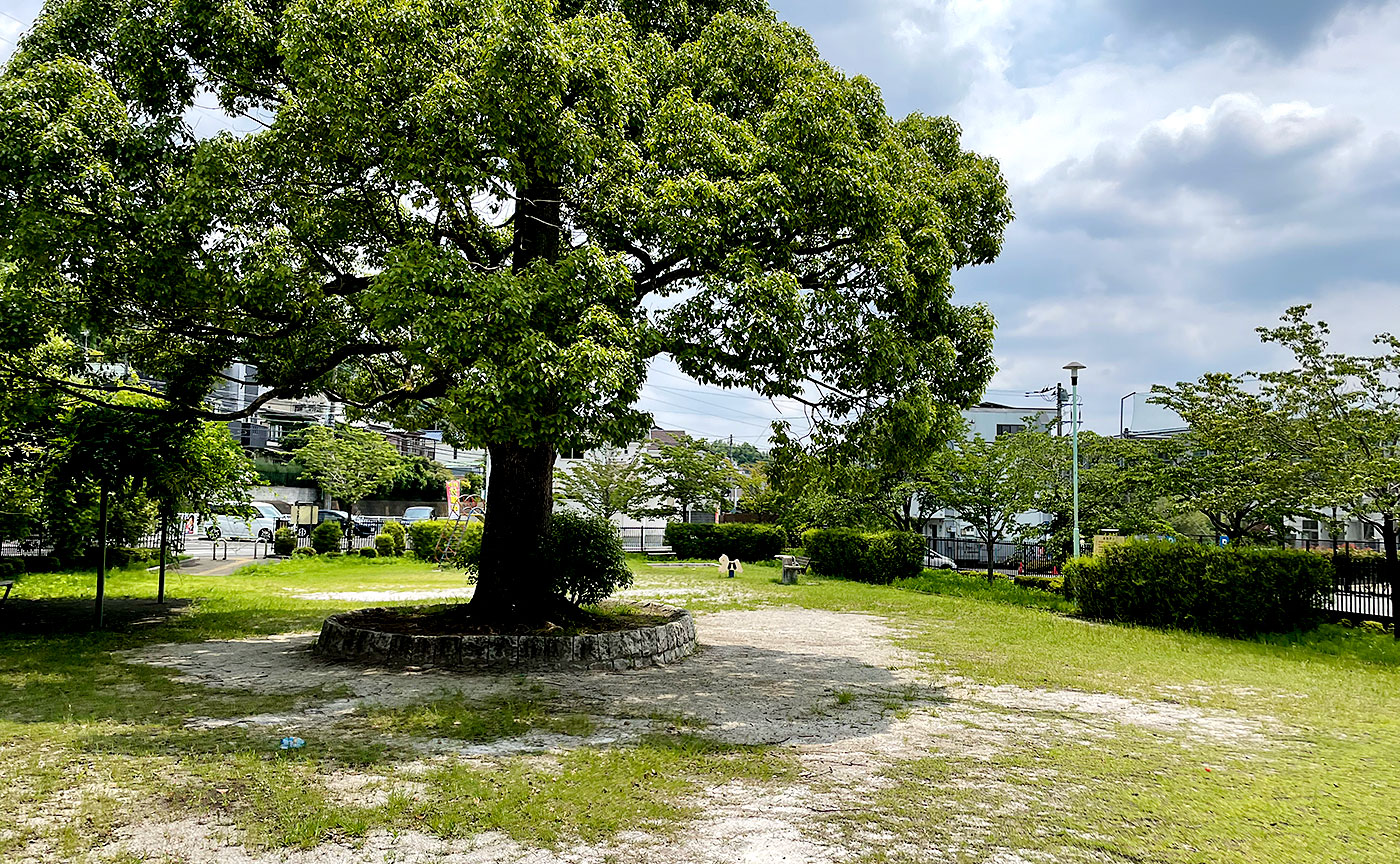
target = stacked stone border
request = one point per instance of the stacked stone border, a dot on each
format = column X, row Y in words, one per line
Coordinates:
column 343, row 639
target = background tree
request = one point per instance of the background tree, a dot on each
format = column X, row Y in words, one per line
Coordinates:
column 990, row 484
column 608, row 482
column 1239, row 463
column 486, row 215
column 742, row 454
column 685, row 475
column 1345, row 413
column 422, row 479
column 1121, row 486
column 348, row 463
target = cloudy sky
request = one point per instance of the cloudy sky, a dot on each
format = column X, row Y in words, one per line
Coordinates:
column 1182, row 172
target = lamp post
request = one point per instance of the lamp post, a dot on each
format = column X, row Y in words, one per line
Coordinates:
column 1073, row 369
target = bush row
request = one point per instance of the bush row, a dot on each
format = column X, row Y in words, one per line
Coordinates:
column 747, row 542
column 445, row 541
column 1053, row 584
column 878, row 558
column 1229, row 591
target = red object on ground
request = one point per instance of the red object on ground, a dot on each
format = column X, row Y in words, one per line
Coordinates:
column 1055, row 570
column 1021, row 568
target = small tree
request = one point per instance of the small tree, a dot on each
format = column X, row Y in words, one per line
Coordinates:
column 686, row 475
column 348, row 463
column 989, row 483
column 610, row 483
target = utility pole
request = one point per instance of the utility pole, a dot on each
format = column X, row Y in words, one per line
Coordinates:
column 1059, row 410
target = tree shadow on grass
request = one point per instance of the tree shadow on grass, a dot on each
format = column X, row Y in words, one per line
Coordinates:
column 55, row 616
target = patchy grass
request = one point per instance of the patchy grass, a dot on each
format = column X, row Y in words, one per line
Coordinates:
column 91, row 740
column 479, row 722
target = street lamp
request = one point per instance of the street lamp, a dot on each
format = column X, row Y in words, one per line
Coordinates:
column 1073, row 369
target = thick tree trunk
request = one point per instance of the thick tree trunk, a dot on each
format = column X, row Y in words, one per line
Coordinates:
column 991, row 560
column 513, row 582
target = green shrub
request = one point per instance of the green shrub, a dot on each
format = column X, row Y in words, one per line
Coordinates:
column 10, row 568
column 384, row 545
column 284, row 542
column 1053, row 584
column 335, row 554
column 369, row 553
column 878, row 558
column 396, row 532
column 326, row 537
column 436, row 539
column 42, row 564
column 747, row 542
column 1229, row 591
column 303, row 552
column 585, row 555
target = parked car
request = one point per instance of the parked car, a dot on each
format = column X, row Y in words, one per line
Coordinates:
column 939, row 562
column 416, row 514
column 251, row 521
column 362, row 527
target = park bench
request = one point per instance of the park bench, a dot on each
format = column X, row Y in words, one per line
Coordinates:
column 660, row 553
column 793, row 566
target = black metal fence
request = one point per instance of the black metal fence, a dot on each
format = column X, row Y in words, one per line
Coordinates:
column 973, row 553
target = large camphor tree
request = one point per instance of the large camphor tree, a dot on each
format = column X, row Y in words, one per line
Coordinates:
column 485, row 216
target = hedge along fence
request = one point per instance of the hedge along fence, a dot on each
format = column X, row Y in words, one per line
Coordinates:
column 879, row 558
column 1229, row 591
column 747, row 542
column 461, row 541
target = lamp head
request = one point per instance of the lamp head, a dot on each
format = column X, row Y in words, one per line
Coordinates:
column 1074, row 371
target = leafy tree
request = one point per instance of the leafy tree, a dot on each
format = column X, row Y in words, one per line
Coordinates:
column 348, row 463
column 486, row 215
column 1238, row 463
column 609, row 483
column 421, row 479
column 1122, row 483
column 743, row 453
column 990, row 483
column 1345, row 423
column 685, row 475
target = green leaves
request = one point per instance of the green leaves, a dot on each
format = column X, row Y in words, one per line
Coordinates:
column 348, row 463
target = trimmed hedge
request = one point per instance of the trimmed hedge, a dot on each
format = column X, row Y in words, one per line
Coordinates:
column 121, row 557
column 384, row 545
column 878, row 558
column 585, row 556
column 1053, row 584
column 1230, row 591
column 326, row 537
column 397, row 533
column 284, row 542
column 430, row 538
column 747, row 542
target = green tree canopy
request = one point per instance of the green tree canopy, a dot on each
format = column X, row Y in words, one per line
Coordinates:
column 348, row 463
column 990, row 484
column 486, row 216
column 606, row 483
column 686, row 475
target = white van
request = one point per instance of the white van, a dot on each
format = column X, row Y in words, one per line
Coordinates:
column 227, row 523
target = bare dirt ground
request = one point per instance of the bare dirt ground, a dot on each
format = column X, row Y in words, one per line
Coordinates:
column 830, row 688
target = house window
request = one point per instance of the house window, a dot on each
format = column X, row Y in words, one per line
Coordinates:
column 1010, row 428
column 572, row 453
column 1310, row 529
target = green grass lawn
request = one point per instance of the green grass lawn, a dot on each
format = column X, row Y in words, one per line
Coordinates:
column 1318, row 782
